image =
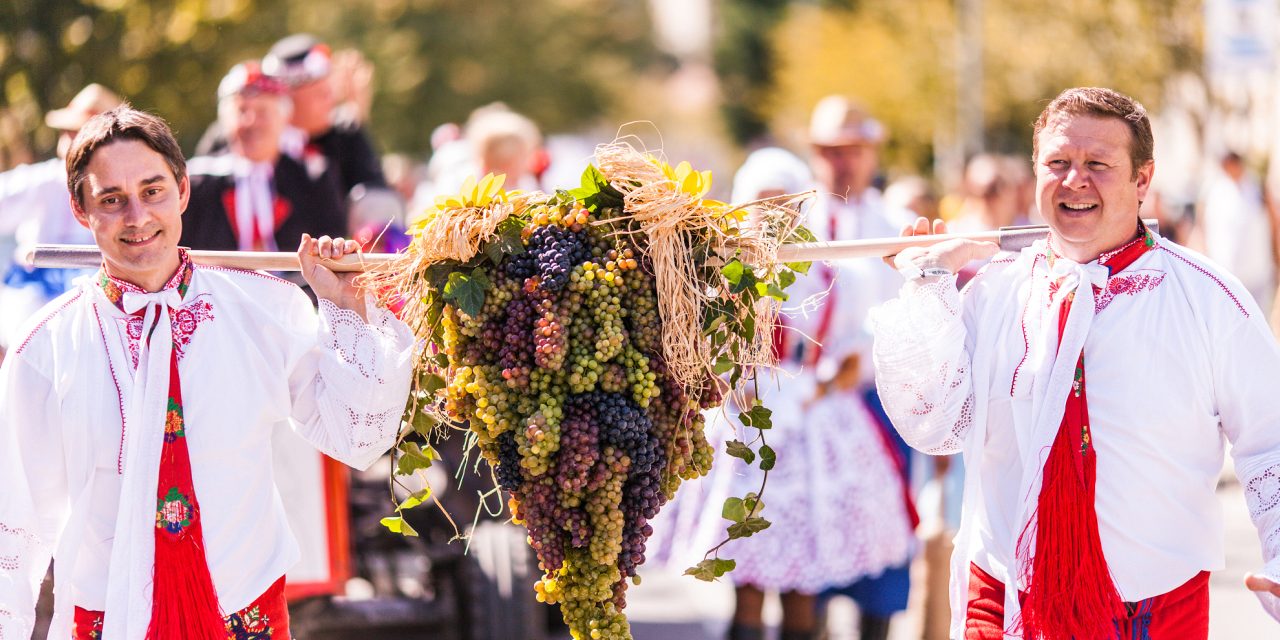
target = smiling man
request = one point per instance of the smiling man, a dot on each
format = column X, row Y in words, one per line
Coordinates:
column 136, row 413
column 1091, row 382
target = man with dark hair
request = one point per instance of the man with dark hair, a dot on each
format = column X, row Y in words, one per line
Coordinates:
column 137, row 412
column 1092, row 445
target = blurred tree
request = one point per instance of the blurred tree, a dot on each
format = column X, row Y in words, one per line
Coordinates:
column 563, row 62
column 746, row 61
column 899, row 57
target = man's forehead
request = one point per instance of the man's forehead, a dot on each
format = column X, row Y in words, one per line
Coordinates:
column 1083, row 130
column 125, row 163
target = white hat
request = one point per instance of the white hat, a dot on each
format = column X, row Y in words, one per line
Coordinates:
column 838, row 121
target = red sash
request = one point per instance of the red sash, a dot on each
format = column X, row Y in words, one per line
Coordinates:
column 1070, row 593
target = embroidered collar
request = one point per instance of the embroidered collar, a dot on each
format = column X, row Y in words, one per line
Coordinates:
column 1116, row 259
column 115, row 288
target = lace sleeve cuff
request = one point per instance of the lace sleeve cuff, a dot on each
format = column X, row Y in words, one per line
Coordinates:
column 363, row 356
column 922, row 369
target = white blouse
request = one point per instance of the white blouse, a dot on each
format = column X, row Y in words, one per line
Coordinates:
column 253, row 357
column 1179, row 360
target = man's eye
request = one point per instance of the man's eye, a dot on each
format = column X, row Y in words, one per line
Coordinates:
column 1057, row 164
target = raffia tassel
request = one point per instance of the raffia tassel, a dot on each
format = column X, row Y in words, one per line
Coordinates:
column 1069, row 591
column 184, row 601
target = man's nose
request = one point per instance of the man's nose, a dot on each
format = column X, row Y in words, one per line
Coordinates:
column 135, row 212
column 1075, row 178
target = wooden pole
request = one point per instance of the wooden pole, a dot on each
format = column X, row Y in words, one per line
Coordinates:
column 1008, row 238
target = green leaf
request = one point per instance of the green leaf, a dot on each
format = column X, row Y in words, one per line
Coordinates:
column 480, row 277
column 752, row 503
column 710, row 570
column 412, row 458
column 464, row 292
column 768, row 457
column 397, row 525
column 424, row 424
column 733, row 272
column 748, row 527
column 800, row 267
column 415, row 499
column 733, row 510
column 787, row 278
column 430, row 383
column 509, row 232
column 723, row 365
column 802, row 234
column 438, row 274
column 776, row 293
column 761, row 417
column 739, row 449
column 441, row 360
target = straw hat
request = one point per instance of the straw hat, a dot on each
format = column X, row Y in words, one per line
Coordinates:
column 91, row 101
column 838, row 121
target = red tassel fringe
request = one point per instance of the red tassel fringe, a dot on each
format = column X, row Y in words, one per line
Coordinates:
column 1070, row 593
column 184, row 602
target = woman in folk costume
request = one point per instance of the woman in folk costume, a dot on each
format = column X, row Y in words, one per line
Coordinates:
column 1091, row 382
column 834, row 500
column 136, row 414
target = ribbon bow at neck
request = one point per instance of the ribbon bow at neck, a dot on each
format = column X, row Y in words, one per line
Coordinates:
column 129, row 595
column 1067, row 275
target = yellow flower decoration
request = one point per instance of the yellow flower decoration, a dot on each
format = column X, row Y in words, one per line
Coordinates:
column 474, row 194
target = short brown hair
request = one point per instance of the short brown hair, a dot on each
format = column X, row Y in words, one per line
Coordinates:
column 121, row 123
column 1102, row 103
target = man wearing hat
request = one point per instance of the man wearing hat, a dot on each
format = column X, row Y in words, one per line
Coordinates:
column 845, row 142
column 251, row 196
column 35, row 209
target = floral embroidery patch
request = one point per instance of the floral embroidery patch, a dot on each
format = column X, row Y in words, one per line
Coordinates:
column 87, row 625
column 173, row 424
column 173, row 512
column 1127, row 283
column 248, row 625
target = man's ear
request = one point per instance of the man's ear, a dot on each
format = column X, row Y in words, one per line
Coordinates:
column 184, row 194
column 78, row 212
column 1143, row 179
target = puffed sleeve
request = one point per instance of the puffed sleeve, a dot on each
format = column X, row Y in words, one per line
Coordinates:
column 1246, row 368
column 33, row 501
column 923, row 365
column 350, row 386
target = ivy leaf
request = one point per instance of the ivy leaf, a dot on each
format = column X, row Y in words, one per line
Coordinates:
column 768, row 457
column 438, row 274
column 441, row 360
column 800, row 267
column 748, row 527
column 413, row 458
column 397, row 525
column 417, row 498
column 481, row 278
column 739, row 449
column 761, row 417
column 752, row 503
column 773, row 291
column 723, row 365
column 711, row 569
column 462, row 290
column 733, row 510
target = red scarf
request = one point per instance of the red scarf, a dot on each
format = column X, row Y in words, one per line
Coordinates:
column 184, row 602
column 1070, row 593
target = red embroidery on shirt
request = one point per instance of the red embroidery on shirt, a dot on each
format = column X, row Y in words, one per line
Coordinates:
column 124, row 423
column 1210, row 276
column 183, row 323
column 1127, row 284
column 46, row 320
column 260, row 274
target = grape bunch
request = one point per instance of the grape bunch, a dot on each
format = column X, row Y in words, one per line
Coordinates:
column 562, row 379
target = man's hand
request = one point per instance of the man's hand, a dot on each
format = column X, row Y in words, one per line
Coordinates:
column 950, row 255
column 340, row 289
column 1259, row 583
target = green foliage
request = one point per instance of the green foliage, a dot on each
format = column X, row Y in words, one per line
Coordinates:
column 435, row 60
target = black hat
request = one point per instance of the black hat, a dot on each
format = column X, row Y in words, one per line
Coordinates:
column 297, row 60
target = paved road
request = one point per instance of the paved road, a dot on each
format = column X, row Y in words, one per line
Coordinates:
column 670, row 607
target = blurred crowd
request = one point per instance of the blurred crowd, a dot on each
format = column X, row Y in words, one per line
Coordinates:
column 291, row 153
